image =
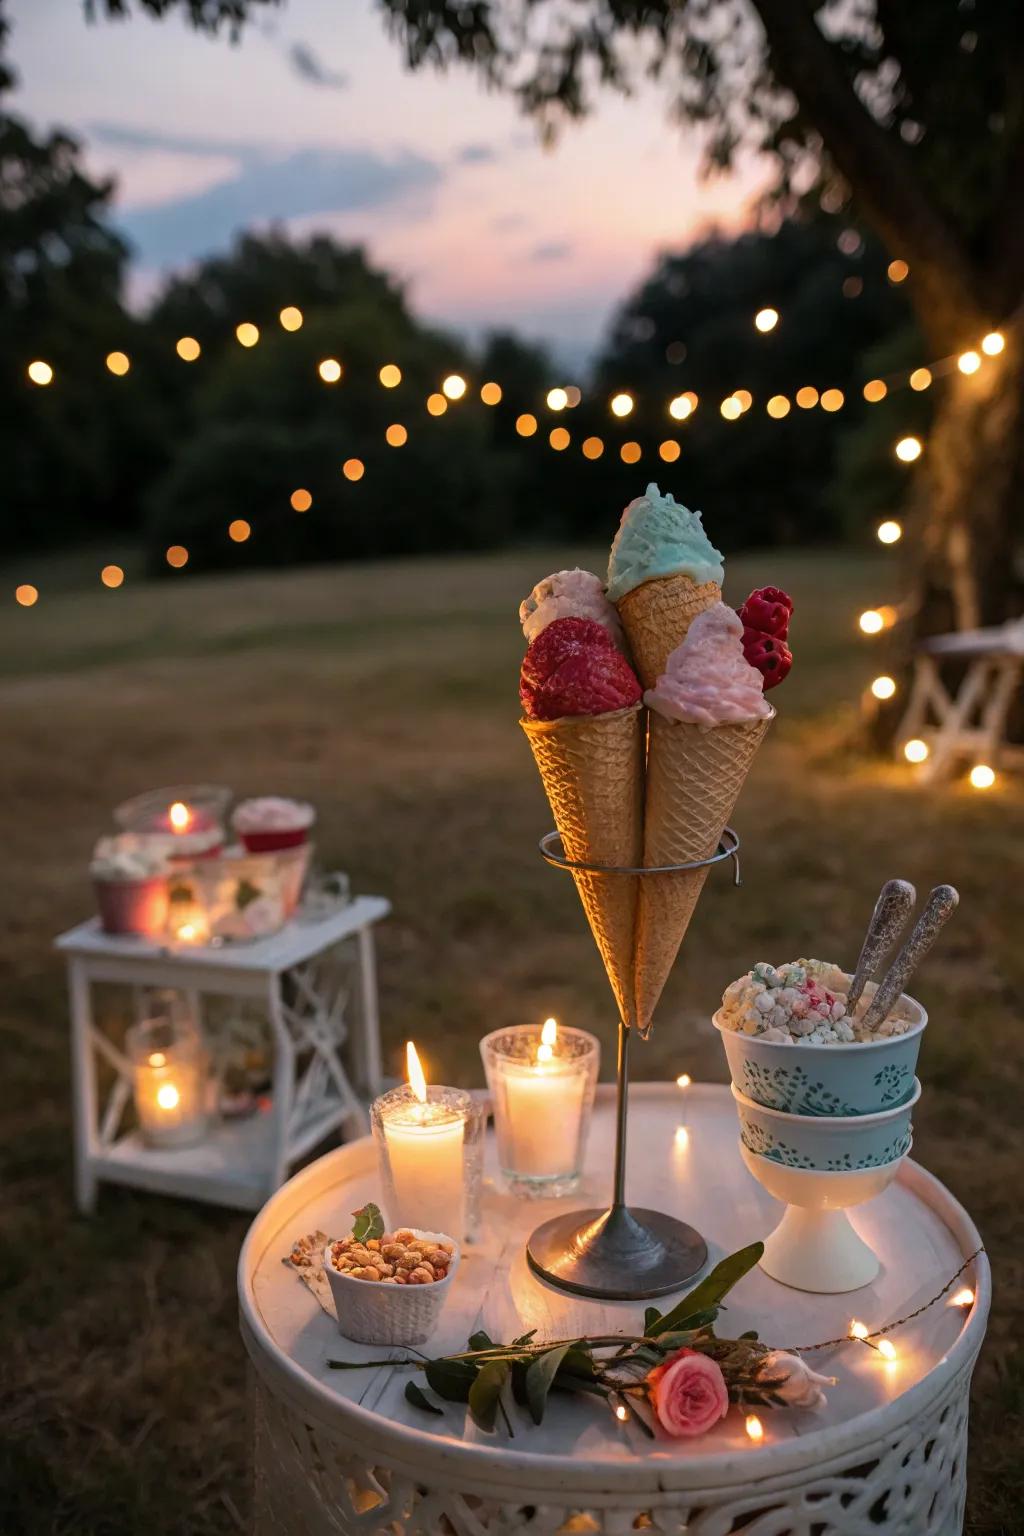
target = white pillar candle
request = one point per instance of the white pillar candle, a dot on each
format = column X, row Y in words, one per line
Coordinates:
column 542, row 1087
column 170, row 1092
column 422, row 1137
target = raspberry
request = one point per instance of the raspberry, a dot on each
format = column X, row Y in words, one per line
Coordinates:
column 553, row 646
column 767, row 610
column 591, row 682
column 771, row 656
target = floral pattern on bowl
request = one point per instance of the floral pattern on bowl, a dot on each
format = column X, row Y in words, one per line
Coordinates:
column 765, row 1145
column 794, row 1090
column 826, row 1143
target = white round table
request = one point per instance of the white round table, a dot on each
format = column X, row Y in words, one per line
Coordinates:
column 342, row 1452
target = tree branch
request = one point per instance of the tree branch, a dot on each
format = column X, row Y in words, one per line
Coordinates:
column 878, row 168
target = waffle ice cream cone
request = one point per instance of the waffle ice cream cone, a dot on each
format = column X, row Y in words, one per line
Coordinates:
column 592, row 770
column 694, row 778
column 656, row 616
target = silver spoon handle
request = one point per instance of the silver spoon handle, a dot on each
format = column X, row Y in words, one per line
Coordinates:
column 940, row 906
column 894, row 905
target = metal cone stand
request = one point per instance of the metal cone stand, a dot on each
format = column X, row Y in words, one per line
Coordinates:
column 623, row 1253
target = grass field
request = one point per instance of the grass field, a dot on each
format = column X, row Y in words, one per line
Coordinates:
column 387, row 695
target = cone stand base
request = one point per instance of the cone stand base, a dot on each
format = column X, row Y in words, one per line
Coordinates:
column 620, row 1254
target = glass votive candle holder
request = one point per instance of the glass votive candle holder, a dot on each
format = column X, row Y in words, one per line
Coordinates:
column 170, row 1077
column 542, row 1083
column 430, row 1154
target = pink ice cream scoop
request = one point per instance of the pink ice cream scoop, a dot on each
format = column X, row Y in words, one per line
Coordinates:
column 707, row 679
column 572, row 594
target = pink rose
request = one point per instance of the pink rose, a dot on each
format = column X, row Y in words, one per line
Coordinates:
column 688, row 1393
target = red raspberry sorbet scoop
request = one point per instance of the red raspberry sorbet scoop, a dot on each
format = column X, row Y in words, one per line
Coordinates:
column 772, row 657
column 553, row 646
column 592, row 682
column 768, row 610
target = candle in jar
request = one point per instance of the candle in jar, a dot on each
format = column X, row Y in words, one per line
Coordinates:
column 544, row 1107
column 170, row 1093
column 424, row 1146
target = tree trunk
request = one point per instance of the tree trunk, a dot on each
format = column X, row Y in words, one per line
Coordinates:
column 965, row 509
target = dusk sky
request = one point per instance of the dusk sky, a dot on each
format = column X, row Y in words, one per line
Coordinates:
column 312, row 120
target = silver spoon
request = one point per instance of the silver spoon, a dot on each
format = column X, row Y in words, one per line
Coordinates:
column 894, row 905
column 941, row 905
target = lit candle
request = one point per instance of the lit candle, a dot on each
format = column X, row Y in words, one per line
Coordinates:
column 542, row 1087
column 421, row 1136
column 169, row 1082
column 180, row 817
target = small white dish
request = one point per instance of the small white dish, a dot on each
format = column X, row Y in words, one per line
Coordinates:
column 372, row 1313
column 814, row 1247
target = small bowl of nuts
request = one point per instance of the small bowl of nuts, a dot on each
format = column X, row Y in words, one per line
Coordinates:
column 391, row 1289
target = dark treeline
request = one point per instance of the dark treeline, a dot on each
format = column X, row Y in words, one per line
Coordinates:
column 172, row 451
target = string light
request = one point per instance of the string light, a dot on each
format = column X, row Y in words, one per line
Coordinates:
column 680, row 408
column 454, row 386
column 40, row 373
column 329, row 370
column 436, row 404
column 290, row 318
column 118, row 363
column 112, row 576
column 247, row 333
column 574, row 395
column 557, row 399
column 887, row 1349
column 490, row 393
column 390, row 375
column 731, row 408
column 993, row 343
column 593, row 447
column 968, row 362
column 920, row 379
column 187, row 348
column 744, row 399
column 858, row 1330
column 754, row 1428
column 176, row 556
column 682, row 1137
column 908, row 449
column 915, row 750
column 559, row 439
column 301, row 501
column 889, row 532
column 875, row 390
column 396, row 436
column 807, row 397
column 766, row 319
column 669, row 450
column 883, row 687
column 26, row 595
column 629, row 453
column 777, row 407
column 239, row 530
column 526, row 426
column 964, row 1298
column 622, row 404
column 897, row 271
column 353, row 469
column 684, row 1080
column 622, row 1413
column 871, row 622
column 832, row 400
column 982, row 776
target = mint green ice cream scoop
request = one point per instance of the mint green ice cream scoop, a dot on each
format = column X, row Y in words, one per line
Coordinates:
column 658, row 537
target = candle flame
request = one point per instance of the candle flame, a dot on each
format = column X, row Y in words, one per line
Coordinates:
column 858, row 1330
column 167, row 1096
column 964, row 1298
column 158, row 1059
column 548, row 1036
column 187, row 932
column 417, row 1081
column 755, row 1429
column 180, row 816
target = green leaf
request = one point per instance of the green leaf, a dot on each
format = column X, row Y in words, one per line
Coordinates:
column 367, row 1223
column 519, row 1370
column 419, row 1399
column 651, row 1316
column 751, row 1333
column 579, row 1362
column 540, row 1377
column 709, row 1293
column 246, row 893
column 524, row 1338
column 451, row 1379
column 486, row 1391
column 481, row 1340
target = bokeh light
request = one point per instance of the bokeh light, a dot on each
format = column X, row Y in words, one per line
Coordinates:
column 968, row 362
column 40, row 373
column 629, row 453
column 807, row 397
column 559, row 438
column 353, row 469
column 993, row 343
column 239, row 530
column 731, row 408
column 454, row 386
column 490, row 393
column 436, row 404
column 832, row 400
column 680, row 408
column 112, row 576
column 593, row 447
column 744, row 399
column 897, row 271
column 247, row 333
column 871, row 621
column 187, row 348
column 766, row 319
column 26, row 594
column 301, row 501
column 396, row 435
column 915, row 750
column 526, row 425
column 669, row 450
column 920, row 379
column 118, row 363
column 889, row 532
column 574, row 395
column 176, row 556
column 557, row 399
column 329, row 370
column 621, row 404
column 777, row 407
column 390, row 375
column 875, row 390
column 883, row 687
column 290, row 318
column 982, row 776
column 908, row 449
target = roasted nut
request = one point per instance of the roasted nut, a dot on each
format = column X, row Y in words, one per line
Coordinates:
column 401, row 1278
column 369, row 1273
column 448, row 1247
column 388, row 1280
column 437, row 1256
column 392, row 1251
column 422, row 1275
column 373, row 1244
column 403, row 1235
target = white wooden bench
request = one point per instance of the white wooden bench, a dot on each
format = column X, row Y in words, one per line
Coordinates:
column 969, row 723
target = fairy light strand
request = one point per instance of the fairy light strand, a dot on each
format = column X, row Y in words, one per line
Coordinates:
column 879, row 1333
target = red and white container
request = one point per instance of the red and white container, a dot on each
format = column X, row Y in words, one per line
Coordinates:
column 272, row 823
column 131, row 884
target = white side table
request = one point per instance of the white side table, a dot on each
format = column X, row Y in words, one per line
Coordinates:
column 342, row 1453
column 326, row 1064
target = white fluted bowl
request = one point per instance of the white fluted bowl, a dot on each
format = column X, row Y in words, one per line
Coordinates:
column 372, row 1313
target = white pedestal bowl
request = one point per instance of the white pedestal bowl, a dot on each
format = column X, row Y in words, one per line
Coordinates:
column 814, row 1247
